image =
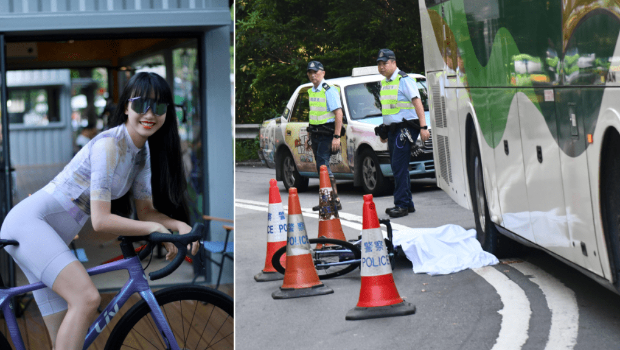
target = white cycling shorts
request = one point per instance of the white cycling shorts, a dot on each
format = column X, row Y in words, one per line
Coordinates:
column 44, row 230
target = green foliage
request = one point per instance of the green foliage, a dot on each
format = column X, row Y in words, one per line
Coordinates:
column 276, row 39
column 246, row 149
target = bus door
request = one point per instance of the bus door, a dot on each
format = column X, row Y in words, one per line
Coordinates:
column 509, row 169
column 543, row 172
column 573, row 107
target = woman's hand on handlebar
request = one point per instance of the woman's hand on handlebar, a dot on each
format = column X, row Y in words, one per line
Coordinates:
column 170, row 248
column 185, row 229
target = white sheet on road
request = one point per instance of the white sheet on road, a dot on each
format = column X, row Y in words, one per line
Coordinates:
column 442, row 250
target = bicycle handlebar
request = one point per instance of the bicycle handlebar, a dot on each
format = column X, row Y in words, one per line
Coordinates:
column 180, row 241
column 387, row 224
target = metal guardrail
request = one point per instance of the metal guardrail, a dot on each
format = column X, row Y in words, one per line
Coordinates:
column 246, row 131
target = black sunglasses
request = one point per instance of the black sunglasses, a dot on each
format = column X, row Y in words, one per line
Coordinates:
column 142, row 106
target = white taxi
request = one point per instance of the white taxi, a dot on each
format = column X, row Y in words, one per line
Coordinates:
column 363, row 158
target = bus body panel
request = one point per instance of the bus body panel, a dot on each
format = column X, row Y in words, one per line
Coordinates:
column 609, row 118
column 541, row 76
column 465, row 111
column 486, row 154
column 544, row 179
column 574, row 106
column 430, row 47
column 512, row 191
column 454, row 141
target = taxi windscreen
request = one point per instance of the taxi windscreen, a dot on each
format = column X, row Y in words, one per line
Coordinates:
column 364, row 101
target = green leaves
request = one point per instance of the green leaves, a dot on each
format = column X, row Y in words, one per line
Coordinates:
column 275, row 39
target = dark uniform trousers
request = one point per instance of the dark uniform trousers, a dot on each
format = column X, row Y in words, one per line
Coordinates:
column 400, row 155
column 322, row 149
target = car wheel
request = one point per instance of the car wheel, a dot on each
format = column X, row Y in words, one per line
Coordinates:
column 373, row 180
column 290, row 175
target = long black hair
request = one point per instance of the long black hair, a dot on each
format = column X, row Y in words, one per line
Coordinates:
column 168, row 181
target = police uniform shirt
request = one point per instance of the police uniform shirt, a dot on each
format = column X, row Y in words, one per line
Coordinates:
column 332, row 98
column 407, row 90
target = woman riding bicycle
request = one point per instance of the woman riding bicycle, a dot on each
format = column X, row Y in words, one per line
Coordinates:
column 97, row 183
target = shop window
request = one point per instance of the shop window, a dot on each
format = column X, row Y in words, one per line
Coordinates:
column 33, row 106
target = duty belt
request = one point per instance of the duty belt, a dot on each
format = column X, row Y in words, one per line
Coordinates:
column 382, row 130
column 322, row 129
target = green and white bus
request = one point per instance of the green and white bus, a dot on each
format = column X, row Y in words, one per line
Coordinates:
column 525, row 111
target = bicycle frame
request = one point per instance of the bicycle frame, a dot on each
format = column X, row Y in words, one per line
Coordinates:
column 319, row 253
column 357, row 243
column 137, row 282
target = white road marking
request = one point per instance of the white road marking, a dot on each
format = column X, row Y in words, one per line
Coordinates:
column 562, row 303
column 355, row 222
column 516, row 313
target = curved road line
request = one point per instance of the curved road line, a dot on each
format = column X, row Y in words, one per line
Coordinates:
column 562, row 303
column 516, row 313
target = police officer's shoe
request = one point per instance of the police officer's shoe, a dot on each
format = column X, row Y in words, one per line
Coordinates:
column 398, row 212
column 410, row 209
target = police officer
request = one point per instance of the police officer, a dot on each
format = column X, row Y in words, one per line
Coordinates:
column 325, row 121
column 400, row 102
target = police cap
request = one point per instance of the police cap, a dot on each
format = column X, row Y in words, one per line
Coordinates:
column 315, row 66
column 386, row 54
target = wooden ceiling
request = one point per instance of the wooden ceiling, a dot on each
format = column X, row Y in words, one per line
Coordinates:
column 113, row 53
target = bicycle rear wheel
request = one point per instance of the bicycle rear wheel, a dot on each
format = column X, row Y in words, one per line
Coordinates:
column 200, row 318
column 335, row 259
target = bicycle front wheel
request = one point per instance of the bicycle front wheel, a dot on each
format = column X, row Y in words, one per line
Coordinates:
column 334, row 259
column 200, row 318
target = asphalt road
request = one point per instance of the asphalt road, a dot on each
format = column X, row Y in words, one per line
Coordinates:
column 529, row 301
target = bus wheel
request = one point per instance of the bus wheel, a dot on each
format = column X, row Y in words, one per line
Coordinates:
column 610, row 205
column 487, row 233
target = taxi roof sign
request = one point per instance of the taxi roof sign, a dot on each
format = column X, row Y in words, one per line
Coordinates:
column 360, row 71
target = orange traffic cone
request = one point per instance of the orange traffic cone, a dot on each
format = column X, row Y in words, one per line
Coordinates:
column 276, row 234
column 300, row 276
column 378, row 294
column 329, row 221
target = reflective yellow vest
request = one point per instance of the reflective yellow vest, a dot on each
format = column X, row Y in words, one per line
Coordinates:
column 318, row 107
column 389, row 97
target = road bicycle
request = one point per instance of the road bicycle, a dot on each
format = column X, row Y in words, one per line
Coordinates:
column 335, row 257
column 174, row 318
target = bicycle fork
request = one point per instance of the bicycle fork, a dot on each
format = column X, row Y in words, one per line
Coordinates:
column 160, row 320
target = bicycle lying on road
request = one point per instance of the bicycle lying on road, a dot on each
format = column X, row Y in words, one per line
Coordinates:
column 174, row 318
column 335, row 257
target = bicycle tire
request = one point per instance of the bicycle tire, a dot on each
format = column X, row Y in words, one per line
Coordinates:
column 190, row 329
column 329, row 271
